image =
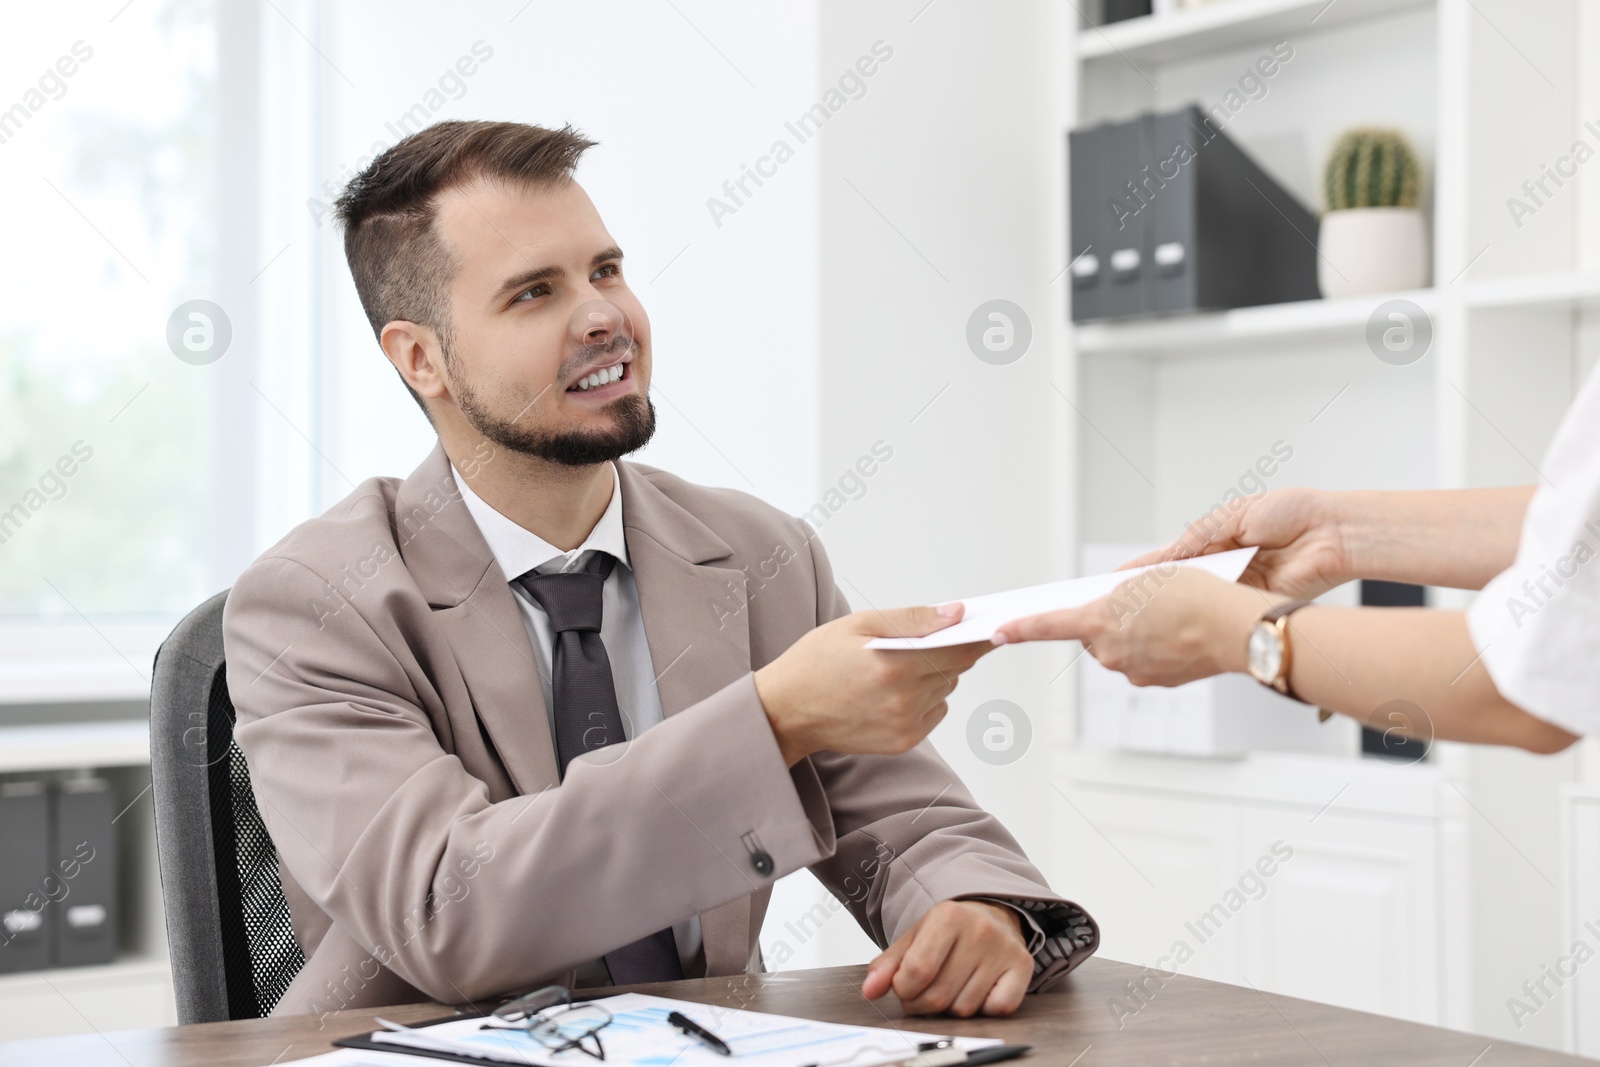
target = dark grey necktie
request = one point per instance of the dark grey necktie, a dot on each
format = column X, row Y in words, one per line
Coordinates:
column 587, row 718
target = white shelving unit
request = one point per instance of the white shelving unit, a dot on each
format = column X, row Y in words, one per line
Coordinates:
column 1218, row 27
column 78, row 744
column 136, row 989
column 1397, row 898
column 1315, row 321
column 1536, row 291
column 1581, row 909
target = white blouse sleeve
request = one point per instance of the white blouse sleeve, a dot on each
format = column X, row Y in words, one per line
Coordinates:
column 1537, row 624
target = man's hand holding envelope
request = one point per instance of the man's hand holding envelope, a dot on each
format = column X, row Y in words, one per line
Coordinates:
column 1092, row 608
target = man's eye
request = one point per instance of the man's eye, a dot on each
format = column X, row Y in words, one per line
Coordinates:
column 610, row 270
column 530, row 294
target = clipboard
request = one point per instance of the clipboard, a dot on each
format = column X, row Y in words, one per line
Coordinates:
column 993, row 1054
column 367, row 1044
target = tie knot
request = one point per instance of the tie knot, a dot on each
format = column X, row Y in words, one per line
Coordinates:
column 572, row 600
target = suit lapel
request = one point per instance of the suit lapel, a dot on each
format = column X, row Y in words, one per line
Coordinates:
column 697, row 644
column 474, row 607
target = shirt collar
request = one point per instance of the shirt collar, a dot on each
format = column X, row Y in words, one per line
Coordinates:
column 519, row 551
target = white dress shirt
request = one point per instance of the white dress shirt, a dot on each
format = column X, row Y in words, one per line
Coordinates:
column 519, row 551
column 1537, row 624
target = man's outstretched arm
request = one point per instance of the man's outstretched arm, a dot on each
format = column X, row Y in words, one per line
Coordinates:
column 967, row 923
column 392, row 838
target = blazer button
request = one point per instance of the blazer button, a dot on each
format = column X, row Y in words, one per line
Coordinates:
column 761, row 860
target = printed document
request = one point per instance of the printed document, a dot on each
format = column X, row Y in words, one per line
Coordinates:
column 986, row 614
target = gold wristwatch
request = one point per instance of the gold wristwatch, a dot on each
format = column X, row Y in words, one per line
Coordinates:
column 1268, row 652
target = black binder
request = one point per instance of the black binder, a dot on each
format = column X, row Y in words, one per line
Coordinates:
column 1382, row 742
column 1122, row 10
column 1089, row 248
column 85, row 848
column 25, row 911
column 1187, row 221
column 1123, row 229
column 1171, row 238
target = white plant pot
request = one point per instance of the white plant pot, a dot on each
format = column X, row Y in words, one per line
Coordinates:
column 1371, row 250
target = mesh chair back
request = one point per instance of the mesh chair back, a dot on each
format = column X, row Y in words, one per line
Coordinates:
column 233, row 950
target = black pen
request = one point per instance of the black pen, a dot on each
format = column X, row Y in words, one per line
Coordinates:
column 694, row 1029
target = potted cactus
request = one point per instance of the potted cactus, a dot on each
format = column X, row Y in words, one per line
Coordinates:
column 1373, row 239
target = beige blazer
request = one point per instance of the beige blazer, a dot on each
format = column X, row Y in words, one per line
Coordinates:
column 392, row 720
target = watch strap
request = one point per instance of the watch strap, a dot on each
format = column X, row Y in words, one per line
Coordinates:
column 1279, row 611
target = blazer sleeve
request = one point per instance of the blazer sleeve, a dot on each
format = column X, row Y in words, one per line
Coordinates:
column 400, row 846
column 910, row 835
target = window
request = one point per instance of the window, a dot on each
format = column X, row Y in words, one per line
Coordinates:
column 105, row 168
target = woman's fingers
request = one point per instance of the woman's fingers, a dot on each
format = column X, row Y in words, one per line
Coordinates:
column 1225, row 536
column 1179, row 549
column 1068, row 624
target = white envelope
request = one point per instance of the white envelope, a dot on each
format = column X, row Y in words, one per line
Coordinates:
column 986, row 614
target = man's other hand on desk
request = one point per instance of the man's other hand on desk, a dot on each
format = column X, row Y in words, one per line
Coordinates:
column 962, row 957
column 830, row 693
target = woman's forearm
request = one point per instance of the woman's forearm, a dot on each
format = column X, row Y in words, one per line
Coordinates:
column 1359, row 661
column 1452, row 537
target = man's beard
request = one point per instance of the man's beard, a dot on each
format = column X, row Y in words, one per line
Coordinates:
column 634, row 426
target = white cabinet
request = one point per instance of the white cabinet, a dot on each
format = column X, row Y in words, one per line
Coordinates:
column 1147, row 867
column 136, row 989
column 127, row 995
column 1581, row 878
column 1351, row 919
column 1317, row 877
column 1427, row 892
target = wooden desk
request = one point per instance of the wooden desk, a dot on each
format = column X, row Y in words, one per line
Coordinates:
column 1186, row 1021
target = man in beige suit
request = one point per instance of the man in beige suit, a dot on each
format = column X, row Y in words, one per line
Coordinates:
column 537, row 714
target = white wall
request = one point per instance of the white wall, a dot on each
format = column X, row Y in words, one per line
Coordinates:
column 937, row 194
column 678, row 102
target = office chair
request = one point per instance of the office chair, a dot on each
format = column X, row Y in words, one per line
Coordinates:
column 233, row 950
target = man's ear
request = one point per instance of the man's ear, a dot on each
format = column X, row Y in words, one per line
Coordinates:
column 415, row 352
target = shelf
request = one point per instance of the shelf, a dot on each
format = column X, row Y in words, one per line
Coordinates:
column 127, row 968
column 1539, row 290
column 133, row 992
column 71, row 745
column 1305, row 319
column 1213, row 330
column 94, row 682
column 1225, row 24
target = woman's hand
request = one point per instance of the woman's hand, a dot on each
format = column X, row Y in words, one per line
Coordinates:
column 1303, row 551
column 1157, row 630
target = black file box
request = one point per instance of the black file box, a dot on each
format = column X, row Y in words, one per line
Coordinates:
column 26, row 913
column 1383, row 742
column 1122, row 10
column 1086, row 258
column 1169, row 215
column 84, row 856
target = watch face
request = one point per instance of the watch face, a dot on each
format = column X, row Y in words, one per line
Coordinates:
column 1265, row 653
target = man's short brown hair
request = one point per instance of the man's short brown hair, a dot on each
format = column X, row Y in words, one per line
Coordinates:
column 401, row 265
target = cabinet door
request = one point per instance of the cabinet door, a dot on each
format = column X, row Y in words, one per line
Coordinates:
column 66, row 1001
column 1352, row 917
column 1582, row 877
column 1147, row 867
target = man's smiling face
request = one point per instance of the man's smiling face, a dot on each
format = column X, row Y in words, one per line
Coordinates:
column 549, row 350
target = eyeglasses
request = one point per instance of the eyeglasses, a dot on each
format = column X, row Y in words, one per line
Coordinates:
column 549, row 1017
